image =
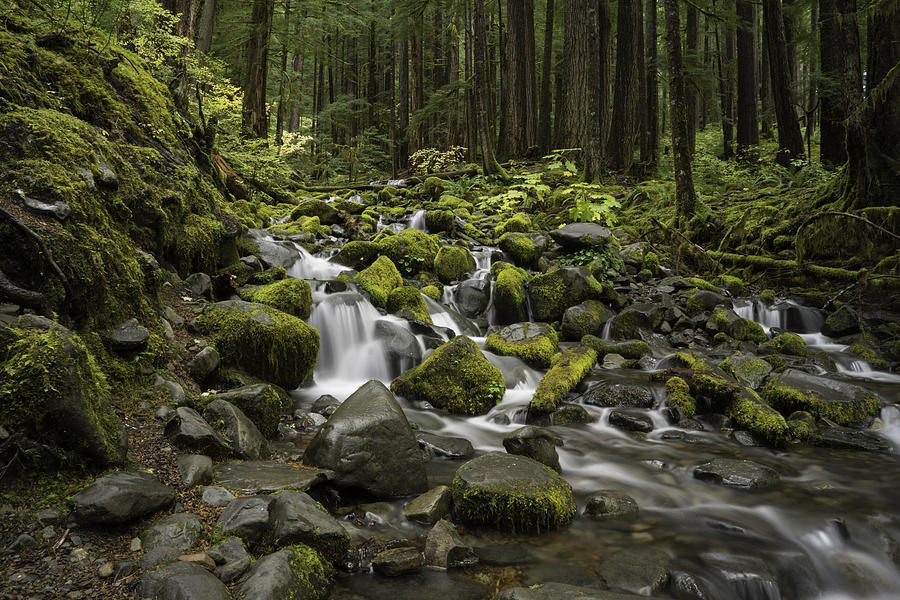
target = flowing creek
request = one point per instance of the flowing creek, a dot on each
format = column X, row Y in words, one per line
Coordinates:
column 824, row 532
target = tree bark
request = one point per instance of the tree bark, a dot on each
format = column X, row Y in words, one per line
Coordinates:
column 471, row 129
column 692, row 67
column 811, row 108
column 726, row 86
column 205, row 25
column 790, row 142
column 685, row 198
column 489, row 162
column 255, row 119
column 418, row 84
column 574, row 100
column 453, row 134
column 519, row 107
column 403, row 112
column 650, row 139
column 284, row 81
column 747, row 83
column 623, row 128
column 840, row 83
column 598, row 30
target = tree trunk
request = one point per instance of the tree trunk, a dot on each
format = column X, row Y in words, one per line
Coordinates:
column 469, row 97
column 692, row 67
column 418, row 84
column 255, row 119
column 575, row 51
column 625, row 117
column 453, row 134
column 726, row 87
column 790, row 142
column 559, row 108
column 530, row 77
column 205, row 25
column 747, row 83
column 650, row 139
column 283, row 81
column 372, row 66
column 485, row 128
column 840, row 83
column 403, row 116
column 764, row 77
column 811, row 101
column 598, row 30
column 685, row 198
column 519, row 120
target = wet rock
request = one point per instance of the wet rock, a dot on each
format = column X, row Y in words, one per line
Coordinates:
column 632, row 349
column 743, row 474
column 534, row 343
column 242, row 435
column 473, row 297
column 846, row 438
column 641, row 571
column 398, row 561
column 328, row 215
column 559, row 591
column 841, row 322
column 636, row 318
column 23, row 541
column 264, row 404
column 179, row 532
column 216, row 496
column 536, row 443
column 430, row 507
column 200, row 284
column 705, row 300
column 587, row 318
column 400, row 345
column 290, row 574
column 612, row 362
column 267, row 477
column 369, row 444
column 577, row 236
column 182, row 581
column 552, row 293
column 130, row 336
column 512, row 493
column 58, row 209
column 121, row 497
column 748, row 369
column 839, row 401
column 446, row 549
column 631, row 420
column 619, row 394
column 610, row 504
column 195, row 469
column 744, row 576
column 231, row 558
column 687, row 586
column 247, row 518
column 188, row 429
column 445, row 446
column 326, row 404
column 199, row 558
column 295, row 517
column 105, row 176
column 204, row 363
column 175, row 391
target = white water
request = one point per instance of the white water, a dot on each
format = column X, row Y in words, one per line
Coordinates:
column 417, row 221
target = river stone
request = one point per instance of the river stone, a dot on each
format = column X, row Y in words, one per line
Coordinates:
column 505, row 554
column 130, row 336
column 369, row 444
column 328, row 215
column 398, row 561
column 264, row 404
column 195, row 469
column 847, row 438
column 619, row 394
column 200, row 284
column 295, row 517
column 290, row 574
column 182, row 581
column 630, row 322
column 631, row 420
column 841, row 322
column 444, row 548
column 473, row 296
column 430, row 507
column 587, row 318
column 246, row 517
column 576, row 236
column 121, row 497
column 188, row 429
column 175, row 391
column 58, row 209
column 559, row 591
column 512, row 493
column 743, row 474
column 245, row 439
column 536, row 443
column 446, row 446
column 610, row 504
column 836, row 397
column 180, row 531
column 746, row 576
column 204, row 363
column 534, row 343
column 550, row 294
column 267, row 477
column 325, row 405
column 214, row 495
column 641, row 571
column 400, row 345
column 232, row 559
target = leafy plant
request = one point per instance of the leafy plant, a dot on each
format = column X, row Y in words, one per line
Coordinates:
column 591, row 204
column 434, row 160
column 526, row 191
column 558, row 160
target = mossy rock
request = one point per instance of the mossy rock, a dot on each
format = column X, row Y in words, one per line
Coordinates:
column 264, row 342
column 748, row 369
column 587, row 318
column 631, row 349
column 651, row 263
column 452, row 262
column 678, row 397
column 263, row 403
column 411, row 249
column 843, row 403
column 552, row 293
column 868, row 355
column 378, row 279
column 567, row 369
column 433, row 292
column 456, row 377
column 746, row 330
column 434, row 187
column 408, row 298
column 518, row 223
column 843, row 321
column 512, row 493
column 786, row 343
column 440, row 220
column 534, row 343
column 326, row 213
column 509, row 298
column 54, row 391
column 748, row 411
column 734, row 285
column 448, row 202
column 293, row 296
column 357, row 254
column 525, row 249
column 629, row 323
column 295, row 572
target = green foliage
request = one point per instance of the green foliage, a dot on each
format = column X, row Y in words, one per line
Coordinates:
column 526, row 191
column 434, row 160
column 591, row 204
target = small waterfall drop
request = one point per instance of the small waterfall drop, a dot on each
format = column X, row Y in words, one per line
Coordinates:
column 417, row 221
column 314, row 267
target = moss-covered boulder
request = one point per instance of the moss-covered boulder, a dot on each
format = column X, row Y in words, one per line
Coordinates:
column 746, row 330
column 587, row 318
column 452, row 262
column 678, row 397
column 631, row 349
column 518, row 223
column 577, row 236
column 262, row 341
column 552, row 293
column 357, row 255
column 567, row 369
column 748, row 369
column 456, row 377
column 327, row 214
column 535, row 343
column 264, row 404
column 734, row 285
column 408, row 298
column 838, row 401
column 434, row 187
column 524, row 248
column 705, row 300
column 843, row 321
column 510, row 302
column 636, row 318
column 293, row 296
column 785, row 343
column 297, row 572
column 378, row 279
column 411, row 250
column 433, row 292
column 512, row 493
column 53, row 391
column 440, row 221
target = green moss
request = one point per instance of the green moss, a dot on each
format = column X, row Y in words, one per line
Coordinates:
column 868, row 355
column 799, row 429
column 767, row 296
column 789, row 343
column 292, row 296
column 264, row 409
column 778, row 363
column 198, row 245
column 521, row 248
column 651, row 263
column 453, row 203
column 386, row 194
column 263, row 341
column 678, row 396
column 534, row 349
column 632, row 349
column 408, row 298
column 852, row 412
column 702, row 284
column 357, row 254
column 298, row 226
column 379, row 279
column 567, row 369
column 509, row 293
column 411, row 250
column 746, row 330
column 312, row 572
column 452, row 262
column 552, row 293
column 434, row 187
column 747, row 369
column 749, row 412
column 532, row 508
column 734, row 285
column 718, row 321
column 689, row 360
column 268, row 276
column 456, row 377
column 519, row 222
column 440, row 220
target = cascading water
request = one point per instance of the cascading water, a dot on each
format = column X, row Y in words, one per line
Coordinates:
column 417, row 220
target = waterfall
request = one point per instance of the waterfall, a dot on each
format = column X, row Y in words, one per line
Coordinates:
column 417, row 221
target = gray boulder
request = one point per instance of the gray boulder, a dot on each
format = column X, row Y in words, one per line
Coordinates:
column 169, row 538
column 446, row 549
column 577, row 236
column 244, row 438
column 121, row 497
column 262, row 403
column 535, row 442
column 609, row 504
column 445, row 446
column 631, row 420
column 398, row 561
column 231, row 558
column 188, row 429
column 430, row 507
column 195, row 469
column 267, row 477
column 743, row 474
column 641, row 571
column 57, row 209
column 216, row 496
column 473, row 297
column 291, row 574
column 130, row 336
column 295, row 517
column 559, row 591
column 369, row 444
column 587, row 318
column 619, row 394
column 204, row 363
column 247, row 518
column 200, row 284
column 182, row 581
column 401, row 346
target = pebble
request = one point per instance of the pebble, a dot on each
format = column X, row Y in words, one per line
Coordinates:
column 135, row 544
column 48, row 515
column 78, row 555
column 48, row 532
column 105, row 570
